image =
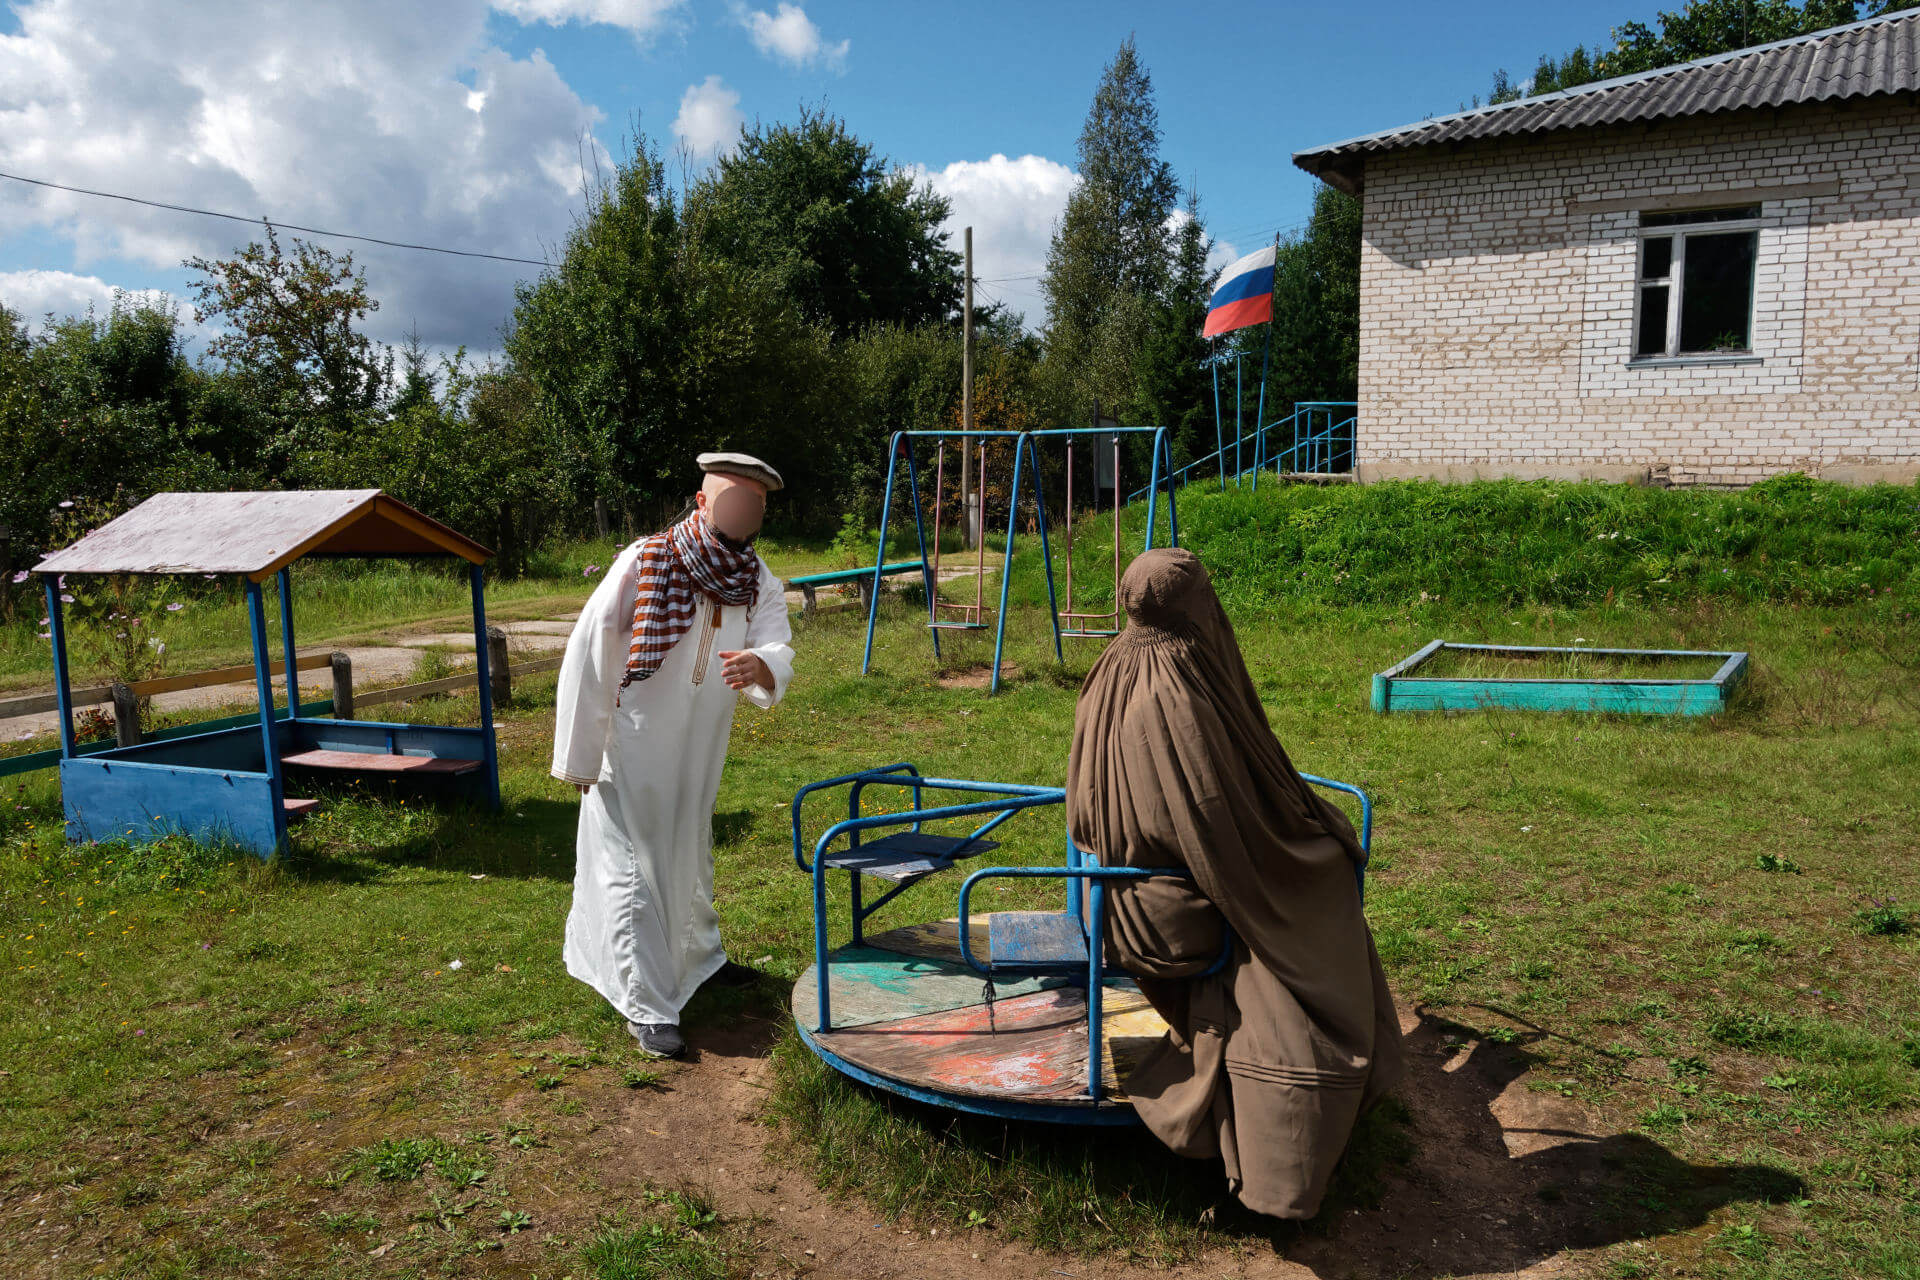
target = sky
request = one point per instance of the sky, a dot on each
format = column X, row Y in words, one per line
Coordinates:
column 468, row 124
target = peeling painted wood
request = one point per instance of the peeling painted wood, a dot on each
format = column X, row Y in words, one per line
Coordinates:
column 257, row 534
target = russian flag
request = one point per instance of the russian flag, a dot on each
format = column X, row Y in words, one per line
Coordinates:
column 1244, row 295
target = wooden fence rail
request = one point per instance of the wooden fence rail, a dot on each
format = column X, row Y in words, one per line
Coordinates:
column 125, row 698
column 37, row 703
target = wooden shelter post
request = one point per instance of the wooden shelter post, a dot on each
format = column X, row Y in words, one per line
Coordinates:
column 57, row 627
column 286, row 640
column 263, row 680
column 480, row 657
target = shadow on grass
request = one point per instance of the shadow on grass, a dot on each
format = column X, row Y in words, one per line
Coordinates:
column 1502, row 1176
column 361, row 832
column 1466, row 1170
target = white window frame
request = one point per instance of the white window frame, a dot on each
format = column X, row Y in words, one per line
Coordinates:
column 1671, row 282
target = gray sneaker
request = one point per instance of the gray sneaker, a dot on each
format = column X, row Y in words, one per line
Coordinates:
column 658, row 1039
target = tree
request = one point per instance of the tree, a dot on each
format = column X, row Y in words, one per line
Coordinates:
column 645, row 348
column 1699, row 30
column 97, row 410
column 1706, row 27
column 1316, row 314
column 1109, row 255
column 599, row 333
column 417, row 385
column 1172, row 389
column 850, row 239
column 290, row 331
column 476, row 458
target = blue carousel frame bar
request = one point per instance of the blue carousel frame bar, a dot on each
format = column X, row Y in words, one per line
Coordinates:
column 1086, row 912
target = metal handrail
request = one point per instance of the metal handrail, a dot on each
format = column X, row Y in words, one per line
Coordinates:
column 1257, row 437
column 1013, row 798
column 1094, row 873
column 1093, row 924
column 907, row 775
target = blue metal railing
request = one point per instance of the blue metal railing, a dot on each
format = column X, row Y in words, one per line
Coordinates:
column 1316, row 438
column 1320, row 439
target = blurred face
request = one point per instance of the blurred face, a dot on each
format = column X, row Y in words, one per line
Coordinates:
column 735, row 506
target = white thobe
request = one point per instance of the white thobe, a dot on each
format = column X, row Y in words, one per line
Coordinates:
column 643, row 931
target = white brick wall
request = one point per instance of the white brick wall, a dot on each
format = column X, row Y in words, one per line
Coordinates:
column 1497, row 302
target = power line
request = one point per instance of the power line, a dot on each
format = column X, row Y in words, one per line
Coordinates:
column 264, row 222
column 1266, row 232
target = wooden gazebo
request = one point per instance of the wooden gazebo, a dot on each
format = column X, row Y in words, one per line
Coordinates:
column 230, row 783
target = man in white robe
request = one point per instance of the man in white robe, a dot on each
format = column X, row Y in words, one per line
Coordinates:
column 645, row 749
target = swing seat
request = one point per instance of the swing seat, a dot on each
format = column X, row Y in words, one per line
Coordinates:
column 957, row 626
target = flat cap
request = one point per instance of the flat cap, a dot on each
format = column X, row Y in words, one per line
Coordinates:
column 744, row 465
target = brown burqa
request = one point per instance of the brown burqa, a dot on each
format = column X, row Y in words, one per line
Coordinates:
column 1270, row 1061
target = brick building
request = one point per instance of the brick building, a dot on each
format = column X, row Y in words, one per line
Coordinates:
column 1707, row 274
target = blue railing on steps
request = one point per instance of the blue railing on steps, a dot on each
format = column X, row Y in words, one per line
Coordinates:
column 1316, row 438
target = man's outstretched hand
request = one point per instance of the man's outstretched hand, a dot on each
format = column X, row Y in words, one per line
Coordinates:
column 740, row 669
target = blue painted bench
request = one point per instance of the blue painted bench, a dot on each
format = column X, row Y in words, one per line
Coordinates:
column 862, row 579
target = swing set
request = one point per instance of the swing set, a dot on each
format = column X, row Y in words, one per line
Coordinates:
column 1068, row 622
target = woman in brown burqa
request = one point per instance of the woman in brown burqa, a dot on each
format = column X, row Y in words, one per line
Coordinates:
column 1269, row 1062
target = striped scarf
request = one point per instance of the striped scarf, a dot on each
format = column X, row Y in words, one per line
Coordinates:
column 675, row 567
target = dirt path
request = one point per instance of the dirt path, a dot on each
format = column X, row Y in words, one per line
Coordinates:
column 1504, row 1180
column 374, row 665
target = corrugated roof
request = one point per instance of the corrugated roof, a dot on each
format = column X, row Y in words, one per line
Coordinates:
column 257, row 534
column 1878, row 56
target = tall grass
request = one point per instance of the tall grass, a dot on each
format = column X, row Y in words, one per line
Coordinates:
column 1505, row 542
column 1511, row 542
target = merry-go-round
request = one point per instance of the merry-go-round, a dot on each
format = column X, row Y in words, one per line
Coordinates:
column 1010, row 1014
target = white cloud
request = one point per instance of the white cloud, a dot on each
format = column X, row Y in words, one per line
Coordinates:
column 387, row 120
column 643, row 18
column 1012, row 206
column 789, row 35
column 35, row 294
column 1219, row 252
column 710, row 118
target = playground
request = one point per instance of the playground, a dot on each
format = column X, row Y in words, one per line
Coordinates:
column 1652, row 970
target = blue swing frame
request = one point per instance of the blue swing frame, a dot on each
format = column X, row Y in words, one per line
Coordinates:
column 1024, row 451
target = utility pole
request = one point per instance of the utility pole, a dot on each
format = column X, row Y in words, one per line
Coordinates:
column 968, row 520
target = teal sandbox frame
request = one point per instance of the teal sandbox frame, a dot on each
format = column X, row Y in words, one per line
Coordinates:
column 1400, row 688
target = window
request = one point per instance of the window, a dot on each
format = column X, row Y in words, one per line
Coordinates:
column 1696, row 282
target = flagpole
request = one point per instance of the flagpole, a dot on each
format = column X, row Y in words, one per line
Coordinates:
column 1239, row 412
column 1260, row 413
column 1219, row 432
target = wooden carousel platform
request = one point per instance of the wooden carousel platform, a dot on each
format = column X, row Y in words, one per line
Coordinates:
column 910, row 1016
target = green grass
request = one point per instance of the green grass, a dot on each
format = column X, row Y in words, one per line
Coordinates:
column 1087, row 1193
column 683, row 1237
column 1512, row 542
column 1704, row 932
